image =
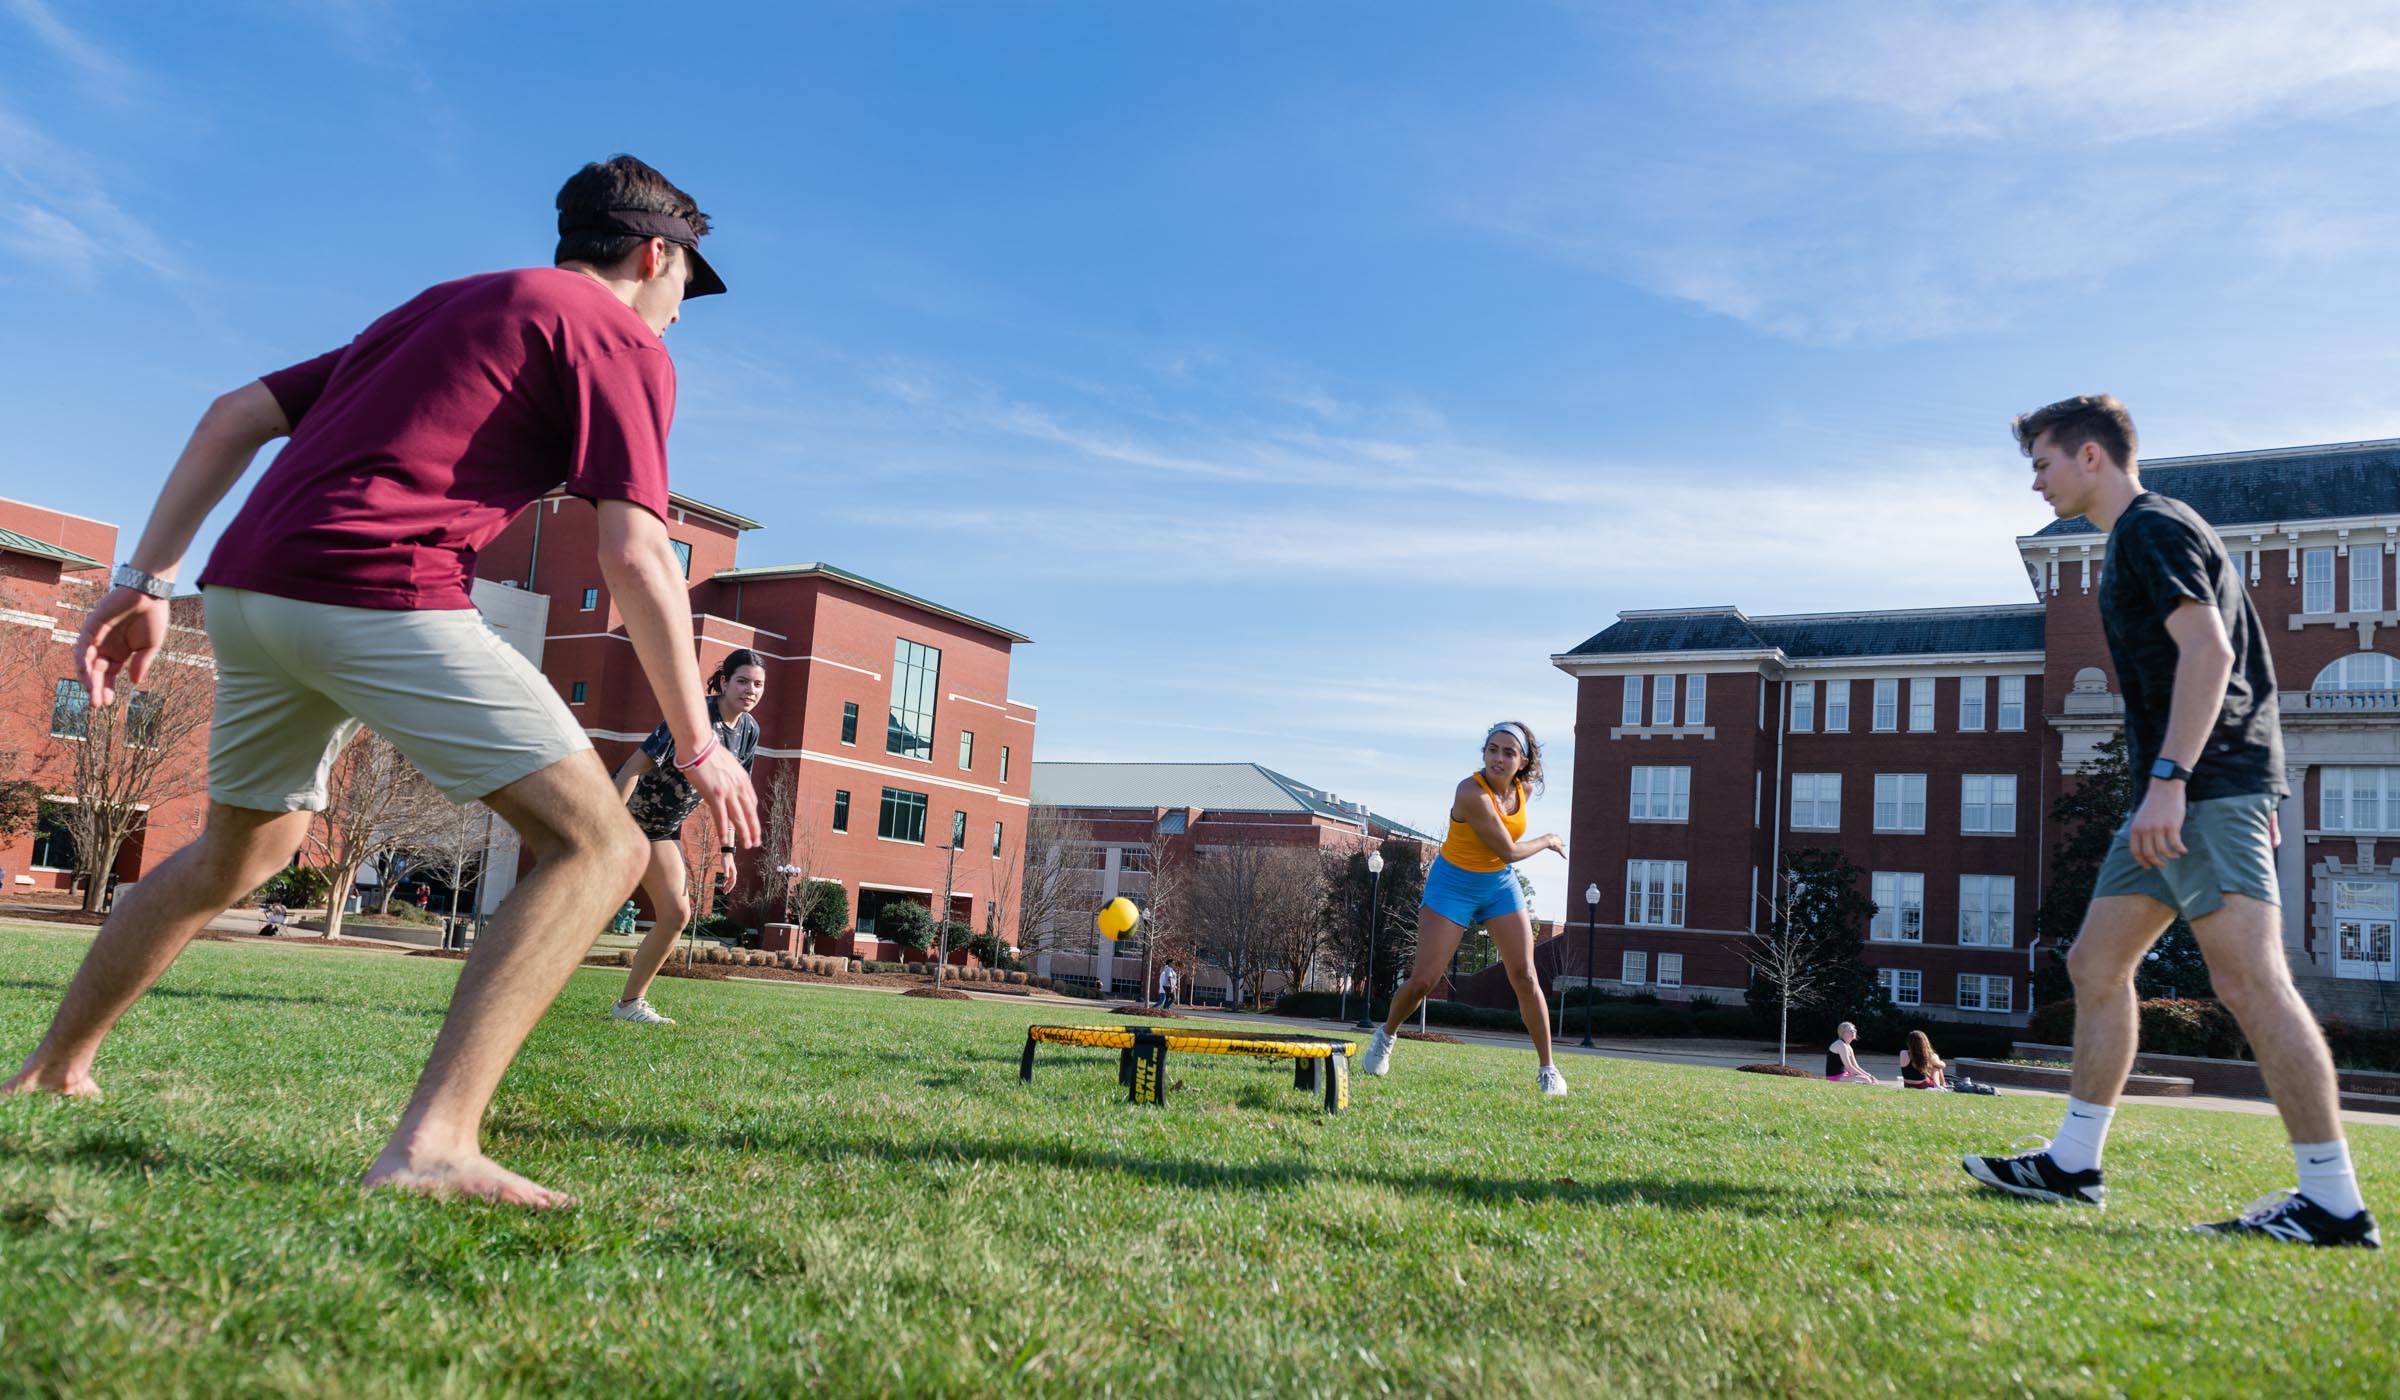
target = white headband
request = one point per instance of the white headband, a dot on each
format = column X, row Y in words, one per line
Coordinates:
column 1524, row 740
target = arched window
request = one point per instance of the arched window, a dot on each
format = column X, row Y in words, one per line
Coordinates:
column 2360, row 681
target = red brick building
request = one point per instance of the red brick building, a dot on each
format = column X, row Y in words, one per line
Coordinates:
column 891, row 711
column 1928, row 747
column 53, row 566
column 1141, row 813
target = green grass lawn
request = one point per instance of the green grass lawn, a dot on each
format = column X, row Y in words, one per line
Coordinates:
column 848, row 1192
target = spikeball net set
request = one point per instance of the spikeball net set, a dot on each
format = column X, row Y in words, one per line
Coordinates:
column 1142, row 1050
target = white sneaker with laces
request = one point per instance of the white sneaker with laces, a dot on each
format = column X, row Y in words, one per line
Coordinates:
column 1552, row 1084
column 641, row 1012
column 1379, row 1054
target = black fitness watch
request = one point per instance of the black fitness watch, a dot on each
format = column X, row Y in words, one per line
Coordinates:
column 2166, row 771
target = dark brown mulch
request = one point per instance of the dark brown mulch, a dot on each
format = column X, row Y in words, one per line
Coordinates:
column 63, row 914
column 1437, row 1036
column 1787, row 1071
column 938, row 993
column 445, row 954
column 331, row 945
column 1148, row 1013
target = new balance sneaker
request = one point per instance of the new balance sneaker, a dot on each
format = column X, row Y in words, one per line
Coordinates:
column 1379, row 1053
column 2034, row 1174
column 1552, row 1084
column 640, row 1011
column 2292, row 1218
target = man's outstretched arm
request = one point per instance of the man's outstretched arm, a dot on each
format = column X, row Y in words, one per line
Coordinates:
column 127, row 627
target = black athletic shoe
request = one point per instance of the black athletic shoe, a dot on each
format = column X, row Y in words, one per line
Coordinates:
column 2034, row 1174
column 2292, row 1218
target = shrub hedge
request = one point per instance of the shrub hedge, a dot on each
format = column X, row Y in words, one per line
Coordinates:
column 2206, row 1028
column 1657, row 1019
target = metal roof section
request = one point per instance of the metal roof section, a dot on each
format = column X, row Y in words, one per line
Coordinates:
column 2332, row 481
column 1211, row 787
column 1979, row 631
column 764, row 572
column 687, row 503
column 15, row 543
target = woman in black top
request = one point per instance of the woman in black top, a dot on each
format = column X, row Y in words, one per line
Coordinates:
column 1841, row 1063
column 661, row 800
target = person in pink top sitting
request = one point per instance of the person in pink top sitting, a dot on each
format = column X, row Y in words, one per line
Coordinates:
column 340, row 596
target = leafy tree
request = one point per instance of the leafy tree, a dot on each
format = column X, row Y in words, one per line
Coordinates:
column 906, row 923
column 825, row 909
column 2088, row 816
column 1811, row 955
column 1350, row 893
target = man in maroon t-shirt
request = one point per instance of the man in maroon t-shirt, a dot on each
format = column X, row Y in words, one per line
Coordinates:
column 340, row 596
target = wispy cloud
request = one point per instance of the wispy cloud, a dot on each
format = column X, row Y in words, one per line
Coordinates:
column 62, row 218
column 101, row 72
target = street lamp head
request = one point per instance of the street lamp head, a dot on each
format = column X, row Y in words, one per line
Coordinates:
column 1591, row 893
column 1374, row 862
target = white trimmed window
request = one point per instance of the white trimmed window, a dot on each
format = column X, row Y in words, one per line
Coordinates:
column 1695, row 700
column 1662, row 701
column 1636, row 968
column 1631, row 717
column 2360, row 670
column 1987, row 911
column 1816, row 802
column 1670, row 969
column 1977, row 992
column 1899, row 907
column 1904, row 985
column 2366, row 578
column 1837, row 707
column 1654, row 893
column 2012, row 702
column 1899, row 802
column 2366, row 917
column 1970, row 704
column 1987, row 803
column 1804, row 706
column 2358, row 799
column 1661, row 795
column 2316, row 581
column 1920, row 704
column 1887, row 704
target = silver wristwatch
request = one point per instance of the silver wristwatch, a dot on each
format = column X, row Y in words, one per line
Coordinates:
column 128, row 576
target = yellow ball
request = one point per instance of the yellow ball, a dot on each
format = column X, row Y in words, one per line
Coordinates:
column 1117, row 917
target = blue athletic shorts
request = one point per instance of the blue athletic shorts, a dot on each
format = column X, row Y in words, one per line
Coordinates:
column 1470, row 897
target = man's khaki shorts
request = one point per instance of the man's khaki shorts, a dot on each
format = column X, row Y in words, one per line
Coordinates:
column 295, row 680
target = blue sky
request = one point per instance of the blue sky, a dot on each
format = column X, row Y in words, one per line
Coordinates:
column 1299, row 376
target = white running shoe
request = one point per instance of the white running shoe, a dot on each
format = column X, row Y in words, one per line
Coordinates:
column 640, row 1011
column 1552, row 1084
column 1379, row 1054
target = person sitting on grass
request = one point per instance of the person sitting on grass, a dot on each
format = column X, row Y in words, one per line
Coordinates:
column 1920, row 1068
column 1841, row 1063
column 1471, row 882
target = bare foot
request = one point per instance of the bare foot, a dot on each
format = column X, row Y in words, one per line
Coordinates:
column 33, row 1080
column 474, row 1176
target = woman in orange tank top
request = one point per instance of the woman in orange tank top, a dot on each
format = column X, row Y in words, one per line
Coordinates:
column 1471, row 882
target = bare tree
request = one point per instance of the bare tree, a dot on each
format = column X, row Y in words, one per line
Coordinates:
column 139, row 752
column 376, row 805
column 1807, row 953
column 1243, row 898
column 788, row 860
column 1301, row 935
column 1052, row 879
column 458, row 843
column 25, row 659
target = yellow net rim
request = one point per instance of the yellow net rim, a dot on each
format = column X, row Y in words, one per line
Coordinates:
column 1197, row 1042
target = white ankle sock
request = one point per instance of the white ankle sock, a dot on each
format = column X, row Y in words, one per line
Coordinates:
column 2081, row 1135
column 2326, row 1176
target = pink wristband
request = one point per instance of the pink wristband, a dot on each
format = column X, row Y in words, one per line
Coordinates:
column 699, row 758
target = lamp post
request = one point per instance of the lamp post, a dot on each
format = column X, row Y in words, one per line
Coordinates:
column 1366, row 1007
column 1591, row 920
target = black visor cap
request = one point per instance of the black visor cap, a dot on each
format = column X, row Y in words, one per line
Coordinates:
column 644, row 223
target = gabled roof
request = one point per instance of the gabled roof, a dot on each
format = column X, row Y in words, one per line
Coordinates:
column 2337, row 481
column 765, row 572
column 1822, row 636
column 15, row 543
column 1214, row 787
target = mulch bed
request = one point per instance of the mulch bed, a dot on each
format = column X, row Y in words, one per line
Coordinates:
column 1148, row 1013
column 938, row 993
column 1787, row 1071
column 1436, row 1036
column 64, row 914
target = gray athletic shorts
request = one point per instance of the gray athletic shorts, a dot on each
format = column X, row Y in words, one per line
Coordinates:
column 295, row 680
column 2226, row 851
